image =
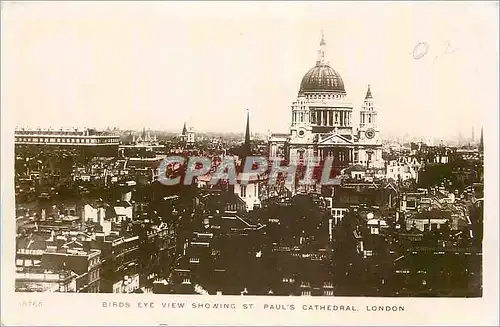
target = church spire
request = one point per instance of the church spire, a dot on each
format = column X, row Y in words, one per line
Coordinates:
column 368, row 93
column 321, row 51
column 247, row 132
column 246, row 150
column 184, row 130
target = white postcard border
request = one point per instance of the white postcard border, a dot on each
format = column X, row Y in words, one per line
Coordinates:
column 88, row 309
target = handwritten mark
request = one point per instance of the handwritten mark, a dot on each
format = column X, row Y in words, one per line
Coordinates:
column 447, row 50
column 420, row 50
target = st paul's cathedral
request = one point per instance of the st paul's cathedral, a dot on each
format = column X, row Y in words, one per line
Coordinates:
column 322, row 122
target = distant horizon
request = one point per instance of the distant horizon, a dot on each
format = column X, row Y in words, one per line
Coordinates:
column 384, row 136
column 431, row 66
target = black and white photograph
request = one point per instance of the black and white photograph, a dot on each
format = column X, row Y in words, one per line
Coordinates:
column 319, row 151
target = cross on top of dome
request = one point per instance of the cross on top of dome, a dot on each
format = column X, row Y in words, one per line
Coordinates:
column 321, row 51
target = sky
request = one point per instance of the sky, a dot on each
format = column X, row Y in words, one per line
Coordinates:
column 432, row 67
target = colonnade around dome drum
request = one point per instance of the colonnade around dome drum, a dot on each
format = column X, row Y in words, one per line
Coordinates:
column 323, row 117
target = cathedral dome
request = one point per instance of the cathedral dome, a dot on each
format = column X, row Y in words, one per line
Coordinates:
column 322, row 78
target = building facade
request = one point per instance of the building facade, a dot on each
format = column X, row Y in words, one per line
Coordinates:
column 322, row 122
column 88, row 142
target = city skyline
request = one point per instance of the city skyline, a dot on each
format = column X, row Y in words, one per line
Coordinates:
column 235, row 161
column 101, row 66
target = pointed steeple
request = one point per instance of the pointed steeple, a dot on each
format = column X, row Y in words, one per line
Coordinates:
column 246, row 150
column 368, row 93
column 184, row 130
column 247, row 132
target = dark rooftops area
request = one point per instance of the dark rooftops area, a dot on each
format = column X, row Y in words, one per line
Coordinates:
column 112, row 227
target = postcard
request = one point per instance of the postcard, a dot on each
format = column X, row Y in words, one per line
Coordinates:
column 249, row 163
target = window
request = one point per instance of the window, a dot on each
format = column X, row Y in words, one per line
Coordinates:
column 243, row 191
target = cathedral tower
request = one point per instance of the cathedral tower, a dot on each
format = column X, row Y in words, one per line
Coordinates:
column 369, row 152
column 368, row 127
